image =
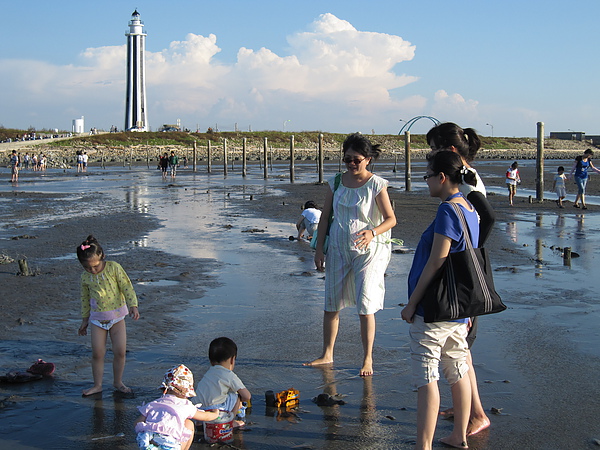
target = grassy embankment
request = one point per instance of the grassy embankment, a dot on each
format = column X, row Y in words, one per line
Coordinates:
column 115, row 147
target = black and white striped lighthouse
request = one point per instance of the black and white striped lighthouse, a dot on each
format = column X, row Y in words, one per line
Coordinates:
column 136, row 118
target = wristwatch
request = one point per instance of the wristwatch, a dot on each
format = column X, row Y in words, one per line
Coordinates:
column 374, row 232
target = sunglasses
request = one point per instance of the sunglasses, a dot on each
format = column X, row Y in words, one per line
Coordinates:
column 356, row 161
column 427, row 177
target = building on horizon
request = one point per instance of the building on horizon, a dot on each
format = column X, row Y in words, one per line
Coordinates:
column 78, row 126
column 136, row 118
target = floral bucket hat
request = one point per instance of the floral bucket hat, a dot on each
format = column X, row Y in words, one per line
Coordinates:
column 179, row 379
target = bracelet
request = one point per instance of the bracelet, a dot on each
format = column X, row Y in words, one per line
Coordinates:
column 374, row 232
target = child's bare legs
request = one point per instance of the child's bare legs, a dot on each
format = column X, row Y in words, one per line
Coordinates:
column 118, row 338
column 331, row 323
column 367, row 334
column 461, row 402
column 511, row 194
column 99, row 336
column 190, row 426
column 301, row 230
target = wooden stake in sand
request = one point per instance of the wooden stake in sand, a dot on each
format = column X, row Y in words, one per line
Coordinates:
column 24, row 268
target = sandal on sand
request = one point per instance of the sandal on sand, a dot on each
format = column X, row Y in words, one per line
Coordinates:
column 41, row 367
column 18, row 376
column 575, row 206
column 463, row 444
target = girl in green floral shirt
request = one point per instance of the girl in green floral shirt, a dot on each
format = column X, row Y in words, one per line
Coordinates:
column 107, row 296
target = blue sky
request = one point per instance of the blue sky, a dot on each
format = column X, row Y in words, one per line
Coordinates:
column 338, row 66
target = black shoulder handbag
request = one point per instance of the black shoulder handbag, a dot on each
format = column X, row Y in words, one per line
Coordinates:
column 463, row 287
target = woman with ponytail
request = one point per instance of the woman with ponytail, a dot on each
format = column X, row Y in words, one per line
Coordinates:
column 466, row 143
column 441, row 342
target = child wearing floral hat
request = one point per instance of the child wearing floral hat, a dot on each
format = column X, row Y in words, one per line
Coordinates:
column 165, row 422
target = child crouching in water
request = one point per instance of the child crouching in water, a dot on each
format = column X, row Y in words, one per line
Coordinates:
column 165, row 422
column 106, row 292
column 309, row 220
column 220, row 388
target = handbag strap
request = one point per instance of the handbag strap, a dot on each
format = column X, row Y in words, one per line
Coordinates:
column 463, row 223
column 479, row 270
column 336, row 185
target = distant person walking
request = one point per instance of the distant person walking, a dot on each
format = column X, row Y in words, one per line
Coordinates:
column 559, row 186
column 512, row 179
column 580, row 168
column 173, row 162
column 14, row 166
column 163, row 163
column 79, row 161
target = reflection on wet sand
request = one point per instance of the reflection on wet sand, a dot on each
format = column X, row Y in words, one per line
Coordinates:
column 539, row 258
column 511, row 231
column 330, row 402
column 363, row 422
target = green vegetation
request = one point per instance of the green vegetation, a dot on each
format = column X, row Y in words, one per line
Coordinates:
column 275, row 139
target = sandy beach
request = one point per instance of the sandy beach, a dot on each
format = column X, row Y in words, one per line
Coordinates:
column 210, row 256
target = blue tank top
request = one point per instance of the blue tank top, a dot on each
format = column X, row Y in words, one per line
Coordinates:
column 582, row 168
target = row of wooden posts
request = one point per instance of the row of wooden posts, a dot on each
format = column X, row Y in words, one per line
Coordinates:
column 321, row 158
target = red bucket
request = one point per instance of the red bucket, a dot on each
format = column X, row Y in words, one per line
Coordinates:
column 219, row 430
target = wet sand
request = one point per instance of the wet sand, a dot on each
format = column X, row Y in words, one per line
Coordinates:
column 208, row 261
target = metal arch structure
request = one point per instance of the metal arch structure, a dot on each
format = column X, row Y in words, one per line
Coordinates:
column 407, row 126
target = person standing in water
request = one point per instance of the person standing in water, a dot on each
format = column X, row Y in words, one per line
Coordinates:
column 582, row 164
column 359, row 247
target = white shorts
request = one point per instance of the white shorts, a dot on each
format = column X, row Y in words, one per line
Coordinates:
column 432, row 343
column 106, row 324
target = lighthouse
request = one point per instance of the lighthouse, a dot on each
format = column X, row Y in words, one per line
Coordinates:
column 135, row 102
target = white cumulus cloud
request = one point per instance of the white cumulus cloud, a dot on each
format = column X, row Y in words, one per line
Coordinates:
column 333, row 77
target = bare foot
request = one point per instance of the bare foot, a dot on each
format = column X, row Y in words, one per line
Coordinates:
column 238, row 423
column 455, row 444
column 447, row 413
column 123, row 389
column 319, row 361
column 91, row 391
column 475, row 426
column 366, row 370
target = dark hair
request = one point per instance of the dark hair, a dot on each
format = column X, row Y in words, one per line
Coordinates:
column 310, row 204
column 450, row 163
column 361, row 144
column 579, row 158
column 221, row 349
column 560, row 168
column 514, row 165
column 88, row 249
column 448, row 134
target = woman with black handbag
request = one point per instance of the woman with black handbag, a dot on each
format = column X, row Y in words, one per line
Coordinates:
column 466, row 142
column 445, row 342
